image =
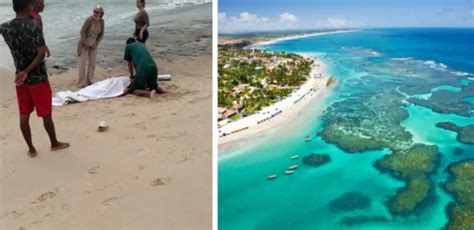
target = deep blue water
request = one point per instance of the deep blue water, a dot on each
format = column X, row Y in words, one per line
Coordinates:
column 371, row 66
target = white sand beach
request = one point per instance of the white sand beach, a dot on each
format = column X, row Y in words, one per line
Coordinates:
column 273, row 41
column 276, row 115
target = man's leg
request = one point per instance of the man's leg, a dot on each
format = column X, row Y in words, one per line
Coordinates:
column 49, row 126
column 42, row 99
column 152, row 82
column 137, row 86
column 152, row 78
column 26, row 131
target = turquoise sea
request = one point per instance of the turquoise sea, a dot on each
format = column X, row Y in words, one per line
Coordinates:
column 390, row 81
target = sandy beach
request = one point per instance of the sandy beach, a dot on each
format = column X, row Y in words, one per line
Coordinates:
column 152, row 169
column 291, row 37
column 272, row 117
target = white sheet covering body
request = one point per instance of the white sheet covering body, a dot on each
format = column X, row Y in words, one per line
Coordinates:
column 108, row 88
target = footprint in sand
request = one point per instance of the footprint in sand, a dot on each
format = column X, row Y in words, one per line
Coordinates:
column 108, row 201
column 160, row 181
column 94, row 169
column 151, row 135
column 46, row 196
column 14, row 213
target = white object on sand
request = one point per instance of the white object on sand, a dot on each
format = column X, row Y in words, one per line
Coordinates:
column 102, row 126
column 164, row 77
column 108, row 88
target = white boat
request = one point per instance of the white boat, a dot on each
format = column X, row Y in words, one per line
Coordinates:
column 271, row 177
column 289, row 172
column 307, row 138
column 295, row 157
column 293, row 167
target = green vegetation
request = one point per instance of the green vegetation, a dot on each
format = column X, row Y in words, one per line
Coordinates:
column 256, row 79
column 461, row 185
column 236, row 117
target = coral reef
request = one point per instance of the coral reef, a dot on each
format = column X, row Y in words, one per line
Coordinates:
column 461, row 186
column 465, row 133
column 443, row 101
column 414, row 167
column 368, row 122
column 316, row 160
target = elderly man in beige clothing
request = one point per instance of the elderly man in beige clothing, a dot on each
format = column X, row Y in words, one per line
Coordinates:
column 91, row 34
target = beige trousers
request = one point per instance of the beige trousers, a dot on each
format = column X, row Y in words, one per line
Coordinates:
column 86, row 62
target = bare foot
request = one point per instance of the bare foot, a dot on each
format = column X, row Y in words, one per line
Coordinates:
column 153, row 94
column 32, row 153
column 59, row 146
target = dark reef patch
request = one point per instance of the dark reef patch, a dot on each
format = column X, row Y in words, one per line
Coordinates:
column 465, row 133
column 316, row 160
column 368, row 122
column 414, row 166
column 447, row 102
column 350, row 201
column 461, row 186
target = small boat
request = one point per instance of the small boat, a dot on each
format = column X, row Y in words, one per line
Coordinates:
column 271, row 177
column 295, row 157
column 293, row 167
column 289, row 172
column 307, row 138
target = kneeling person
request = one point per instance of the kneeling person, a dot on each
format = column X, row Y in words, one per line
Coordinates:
column 146, row 75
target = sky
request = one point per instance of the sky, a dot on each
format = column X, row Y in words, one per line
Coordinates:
column 236, row 16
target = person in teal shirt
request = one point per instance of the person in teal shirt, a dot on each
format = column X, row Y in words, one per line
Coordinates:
column 138, row 58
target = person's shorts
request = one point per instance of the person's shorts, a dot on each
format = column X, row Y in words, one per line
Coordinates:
column 35, row 96
column 137, row 35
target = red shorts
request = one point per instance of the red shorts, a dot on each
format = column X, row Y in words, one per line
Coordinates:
column 35, row 96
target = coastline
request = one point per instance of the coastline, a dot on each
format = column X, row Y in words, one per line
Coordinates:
column 283, row 111
column 249, row 128
column 292, row 37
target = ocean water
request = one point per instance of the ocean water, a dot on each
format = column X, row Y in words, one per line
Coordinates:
column 372, row 66
column 62, row 19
